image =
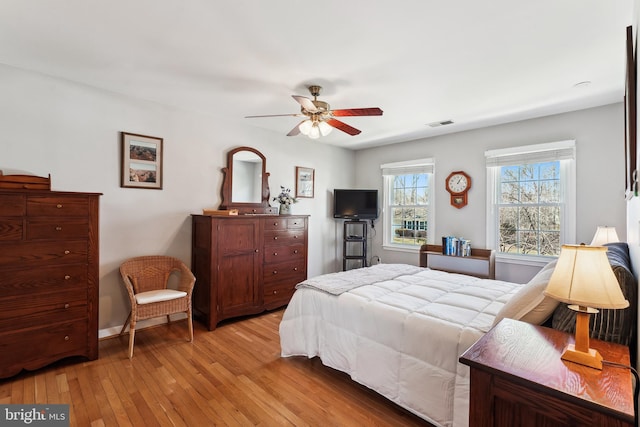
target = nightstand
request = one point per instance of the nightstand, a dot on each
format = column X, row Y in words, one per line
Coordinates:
column 518, row 379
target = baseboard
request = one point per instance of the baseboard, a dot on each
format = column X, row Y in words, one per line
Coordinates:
column 142, row 324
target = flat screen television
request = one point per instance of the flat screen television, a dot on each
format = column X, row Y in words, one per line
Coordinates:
column 355, row 204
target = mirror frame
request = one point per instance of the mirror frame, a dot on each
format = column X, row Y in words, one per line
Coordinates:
column 227, row 203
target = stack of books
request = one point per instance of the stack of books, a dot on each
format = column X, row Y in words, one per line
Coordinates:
column 456, row 246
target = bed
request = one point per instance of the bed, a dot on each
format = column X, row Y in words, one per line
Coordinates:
column 400, row 329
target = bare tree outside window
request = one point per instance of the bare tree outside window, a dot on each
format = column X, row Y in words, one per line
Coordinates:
column 529, row 209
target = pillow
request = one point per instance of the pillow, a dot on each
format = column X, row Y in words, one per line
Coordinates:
column 530, row 304
column 618, row 254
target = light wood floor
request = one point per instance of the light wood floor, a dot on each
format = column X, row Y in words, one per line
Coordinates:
column 232, row 376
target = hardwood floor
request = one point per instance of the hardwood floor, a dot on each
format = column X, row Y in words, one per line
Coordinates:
column 233, row 376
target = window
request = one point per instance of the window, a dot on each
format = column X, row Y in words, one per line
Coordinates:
column 531, row 199
column 407, row 203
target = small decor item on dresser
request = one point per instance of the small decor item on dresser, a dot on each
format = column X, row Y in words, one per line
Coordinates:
column 221, row 212
column 286, row 200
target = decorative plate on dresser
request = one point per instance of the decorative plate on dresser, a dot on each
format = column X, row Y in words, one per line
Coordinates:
column 48, row 274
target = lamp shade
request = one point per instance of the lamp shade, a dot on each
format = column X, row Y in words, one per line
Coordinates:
column 305, row 127
column 583, row 276
column 604, row 235
column 314, row 132
column 325, row 128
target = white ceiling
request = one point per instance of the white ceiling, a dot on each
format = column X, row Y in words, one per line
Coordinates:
column 477, row 63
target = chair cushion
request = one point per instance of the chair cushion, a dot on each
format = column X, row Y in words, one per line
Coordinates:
column 158, row 296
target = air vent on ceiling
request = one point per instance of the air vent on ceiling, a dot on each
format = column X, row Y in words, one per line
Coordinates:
column 442, row 123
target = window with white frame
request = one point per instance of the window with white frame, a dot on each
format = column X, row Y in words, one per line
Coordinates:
column 407, row 203
column 531, row 199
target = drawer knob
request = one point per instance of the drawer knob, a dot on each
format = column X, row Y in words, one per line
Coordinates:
column 295, row 268
column 58, row 228
column 67, row 277
column 275, row 271
column 275, row 223
column 257, row 250
column 275, row 292
column 67, row 252
column 59, row 205
column 275, row 254
column 295, row 237
column 66, row 337
column 295, row 251
column 275, row 238
column 66, row 305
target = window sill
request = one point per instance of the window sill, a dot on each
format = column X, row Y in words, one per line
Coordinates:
column 530, row 260
column 408, row 249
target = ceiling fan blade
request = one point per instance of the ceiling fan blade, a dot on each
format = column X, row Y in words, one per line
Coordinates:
column 357, row 112
column 275, row 115
column 296, row 130
column 306, row 103
column 343, row 127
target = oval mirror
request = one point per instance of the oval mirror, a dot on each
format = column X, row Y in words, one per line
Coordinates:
column 246, row 177
column 245, row 185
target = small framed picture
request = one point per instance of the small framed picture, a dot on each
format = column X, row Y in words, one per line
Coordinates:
column 304, row 182
column 141, row 161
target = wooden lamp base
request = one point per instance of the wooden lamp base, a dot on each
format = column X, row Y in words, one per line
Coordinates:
column 591, row 358
column 580, row 351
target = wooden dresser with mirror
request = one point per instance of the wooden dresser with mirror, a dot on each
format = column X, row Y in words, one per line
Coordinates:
column 250, row 262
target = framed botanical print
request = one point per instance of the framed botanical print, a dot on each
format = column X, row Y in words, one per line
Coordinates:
column 141, row 165
column 304, row 182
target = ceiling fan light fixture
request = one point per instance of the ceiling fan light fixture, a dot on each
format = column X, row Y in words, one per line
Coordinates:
column 314, row 133
column 325, row 128
column 320, row 118
column 305, row 127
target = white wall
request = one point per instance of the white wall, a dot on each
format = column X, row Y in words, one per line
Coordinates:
column 600, row 175
column 71, row 131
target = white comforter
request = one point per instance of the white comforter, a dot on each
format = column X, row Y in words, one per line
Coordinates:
column 401, row 336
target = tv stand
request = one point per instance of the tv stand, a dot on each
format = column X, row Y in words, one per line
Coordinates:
column 354, row 245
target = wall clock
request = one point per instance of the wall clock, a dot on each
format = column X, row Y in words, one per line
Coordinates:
column 458, row 184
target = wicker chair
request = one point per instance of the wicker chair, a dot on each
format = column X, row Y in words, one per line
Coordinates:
column 146, row 280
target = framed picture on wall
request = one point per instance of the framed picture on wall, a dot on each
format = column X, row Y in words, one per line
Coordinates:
column 141, row 165
column 304, row 182
column 630, row 118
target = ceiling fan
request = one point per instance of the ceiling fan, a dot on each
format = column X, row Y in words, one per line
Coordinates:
column 320, row 119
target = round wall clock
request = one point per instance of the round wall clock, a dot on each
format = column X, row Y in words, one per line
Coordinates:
column 458, row 184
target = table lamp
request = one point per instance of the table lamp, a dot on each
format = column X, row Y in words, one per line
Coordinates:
column 583, row 278
column 604, row 235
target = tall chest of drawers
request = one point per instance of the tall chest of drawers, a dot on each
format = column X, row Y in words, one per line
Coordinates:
column 49, row 250
column 246, row 264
